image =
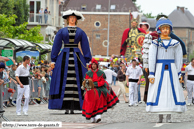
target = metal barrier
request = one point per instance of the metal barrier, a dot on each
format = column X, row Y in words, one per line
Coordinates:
column 1, row 104
column 34, row 84
column 40, row 18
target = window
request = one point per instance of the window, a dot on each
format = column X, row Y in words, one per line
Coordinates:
column 97, row 24
column 97, row 36
column 98, row 6
column 113, row 7
column 83, row 7
column 35, row 6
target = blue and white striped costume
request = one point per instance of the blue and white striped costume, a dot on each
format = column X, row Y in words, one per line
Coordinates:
column 166, row 94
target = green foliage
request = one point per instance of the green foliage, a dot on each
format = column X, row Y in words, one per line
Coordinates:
column 149, row 15
column 161, row 15
column 8, row 30
column 19, row 59
column 34, row 57
column 191, row 55
column 26, row 10
column 137, row 6
column 21, row 9
column 18, row 7
column 6, row 7
column 43, row 57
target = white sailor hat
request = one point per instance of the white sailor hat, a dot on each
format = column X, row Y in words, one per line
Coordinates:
column 78, row 14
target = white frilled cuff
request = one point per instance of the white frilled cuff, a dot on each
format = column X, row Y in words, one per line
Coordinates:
column 180, row 75
column 151, row 76
column 145, row 56
column 145, row 60
column 145, row 50
column 146, row 45
column 52, row 62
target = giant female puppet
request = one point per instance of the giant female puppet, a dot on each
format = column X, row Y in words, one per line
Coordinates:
column 70, row 65
column 132, row 40
column 146, row 44
column 165, row 94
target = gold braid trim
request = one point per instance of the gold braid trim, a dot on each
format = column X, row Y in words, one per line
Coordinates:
column 80, row 60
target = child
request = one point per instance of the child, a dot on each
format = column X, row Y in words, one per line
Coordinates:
column 43, row 83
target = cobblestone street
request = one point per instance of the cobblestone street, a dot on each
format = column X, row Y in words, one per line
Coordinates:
column 120, row 114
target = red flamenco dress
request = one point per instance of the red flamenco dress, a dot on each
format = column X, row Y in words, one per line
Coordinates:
column 99, row 99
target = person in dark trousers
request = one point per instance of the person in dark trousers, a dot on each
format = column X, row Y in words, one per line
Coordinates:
column 46, row 12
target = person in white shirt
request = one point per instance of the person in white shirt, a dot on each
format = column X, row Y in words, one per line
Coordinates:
column 190, row 81
column 133, row 78
column 41, row 12
column 22, row 73
column 109, row 73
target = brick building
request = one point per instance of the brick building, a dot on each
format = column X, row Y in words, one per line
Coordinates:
column 96, row 22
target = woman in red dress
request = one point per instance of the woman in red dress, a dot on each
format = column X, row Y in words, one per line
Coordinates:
column 101, row 98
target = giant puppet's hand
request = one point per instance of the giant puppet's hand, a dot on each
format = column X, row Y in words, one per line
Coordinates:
column 152, row 80
column 181, row 80
column 146, row 69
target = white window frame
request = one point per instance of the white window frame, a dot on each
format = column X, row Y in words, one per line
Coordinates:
column 98, row 6
column 113, row 7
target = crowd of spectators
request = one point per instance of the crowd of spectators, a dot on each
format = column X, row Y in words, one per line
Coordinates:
column 41, row 73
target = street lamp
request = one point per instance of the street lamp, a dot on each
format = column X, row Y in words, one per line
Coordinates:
column 108, row 28
column 92, row 36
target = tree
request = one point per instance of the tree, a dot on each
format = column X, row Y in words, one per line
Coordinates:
column 26, row 10
column 19, row 59
column 34, row 57
column 9, row 30
column 149, row 15
column 191, row 55
column 18, row 7
column 21, row 9
column 6, row 7
column 137, row 6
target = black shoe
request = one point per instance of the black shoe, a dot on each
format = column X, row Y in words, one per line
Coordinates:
column 66, row 112
column 10, row 101
column 9, row 105
column 98, row 120
column 72, row 112
column 2, row 111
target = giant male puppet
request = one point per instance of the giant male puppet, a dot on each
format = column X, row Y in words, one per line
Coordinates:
column 132, row 40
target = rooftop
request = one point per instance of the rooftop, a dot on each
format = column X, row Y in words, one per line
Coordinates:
column 101, row 5
column 180, row 17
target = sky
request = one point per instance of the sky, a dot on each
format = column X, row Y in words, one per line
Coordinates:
column 27, row 53
column 165, row 6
